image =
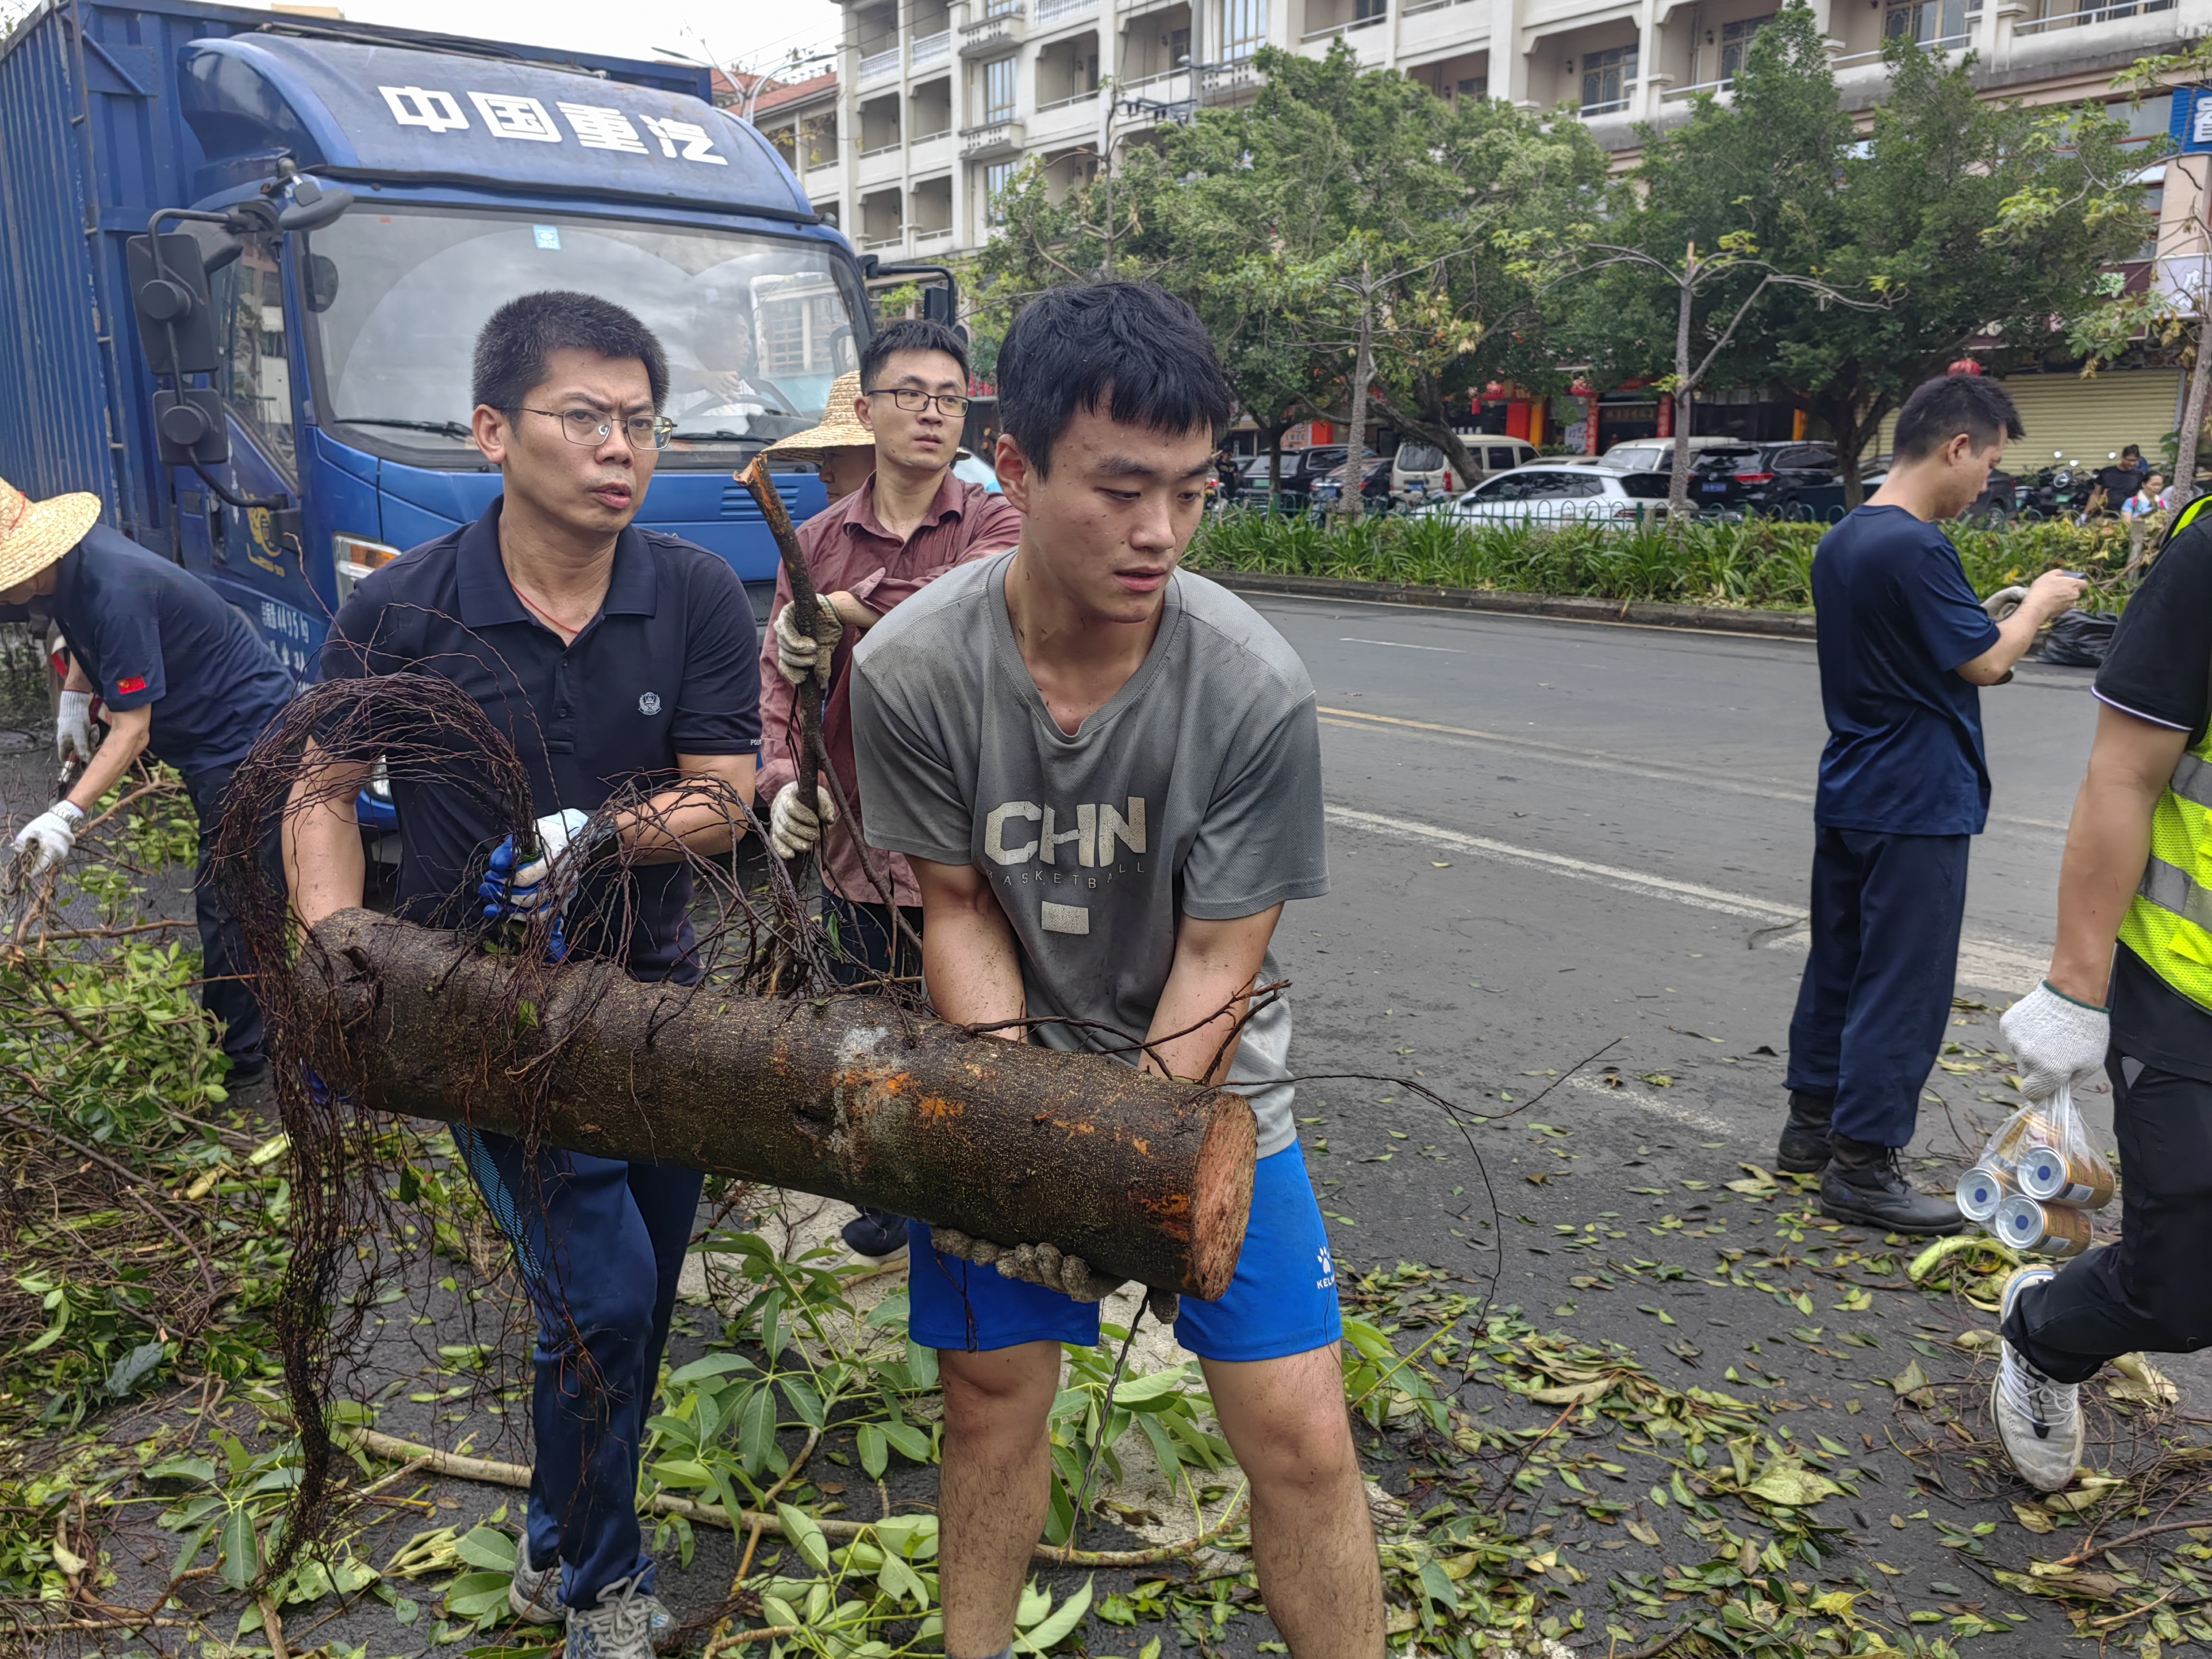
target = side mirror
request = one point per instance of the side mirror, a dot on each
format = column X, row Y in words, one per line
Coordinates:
column 321, row 279
column 938, row 304
column 189, row 427
column 176, row 323
column 313, row 206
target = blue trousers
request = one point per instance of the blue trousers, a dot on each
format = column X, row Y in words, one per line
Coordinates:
column 225, row 968
column 1876, row 995
column 600, row 1244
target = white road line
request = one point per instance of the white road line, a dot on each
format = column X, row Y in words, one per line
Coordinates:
column 1985, row 965
column 1450, row 650
column 1682, row 892
column 1625, row 1096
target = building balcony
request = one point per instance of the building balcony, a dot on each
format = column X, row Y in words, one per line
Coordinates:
column 2090, row 17
column 880, row 65
column 941, row 237
column 930, row 50
column 1336, row 29
column 1051, row 14
column 990, row 141
column 885, row 244
column 993, row 35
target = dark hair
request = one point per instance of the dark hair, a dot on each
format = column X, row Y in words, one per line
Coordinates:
column 1132, row 347
column 1939, row 411
column 516, row 346
column 909, row 334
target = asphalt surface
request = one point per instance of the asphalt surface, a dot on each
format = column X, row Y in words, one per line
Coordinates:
column 1558, row 846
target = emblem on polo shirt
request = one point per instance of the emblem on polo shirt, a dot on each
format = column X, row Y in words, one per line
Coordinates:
column 649, row 703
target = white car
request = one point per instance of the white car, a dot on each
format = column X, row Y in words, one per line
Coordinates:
column 1559, row 492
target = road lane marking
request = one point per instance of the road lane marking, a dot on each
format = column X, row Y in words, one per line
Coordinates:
column 1401, row 645
column 1986, row 964
column 1682, row 892
column 1625, row 1096
column 1598, row 760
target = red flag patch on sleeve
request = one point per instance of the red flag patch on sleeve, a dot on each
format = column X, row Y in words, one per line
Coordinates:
column 135, row 683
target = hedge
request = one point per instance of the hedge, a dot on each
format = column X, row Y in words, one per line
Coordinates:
column 1759, row 561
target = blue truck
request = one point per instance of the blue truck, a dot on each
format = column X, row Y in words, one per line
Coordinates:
column 243, row 257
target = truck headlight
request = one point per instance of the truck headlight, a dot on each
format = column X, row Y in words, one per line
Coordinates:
column 356, row 556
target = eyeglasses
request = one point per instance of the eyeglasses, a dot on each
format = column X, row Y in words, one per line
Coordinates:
column 588, row 426
column 949, row 404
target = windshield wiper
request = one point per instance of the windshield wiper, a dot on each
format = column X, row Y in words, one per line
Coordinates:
column 444, row 428
column 719, row 434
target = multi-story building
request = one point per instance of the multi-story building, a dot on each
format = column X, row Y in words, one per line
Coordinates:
column 936, row 103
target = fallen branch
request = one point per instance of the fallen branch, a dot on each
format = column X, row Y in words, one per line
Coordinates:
column 456, row 1467
column 2088, row 1551
column 1142, row 1177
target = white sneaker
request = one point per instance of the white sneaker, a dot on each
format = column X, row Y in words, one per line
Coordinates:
column 2039, row 1421
column 620, row 1627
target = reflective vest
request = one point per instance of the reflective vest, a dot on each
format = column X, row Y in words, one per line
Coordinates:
column 2169, row 922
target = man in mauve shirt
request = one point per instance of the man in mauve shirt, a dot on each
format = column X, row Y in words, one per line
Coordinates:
column 907, row 525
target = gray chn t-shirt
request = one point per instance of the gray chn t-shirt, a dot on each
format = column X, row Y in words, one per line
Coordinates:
column 1195, row 792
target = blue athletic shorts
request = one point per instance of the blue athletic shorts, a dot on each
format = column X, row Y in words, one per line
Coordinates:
column 1282, row 1301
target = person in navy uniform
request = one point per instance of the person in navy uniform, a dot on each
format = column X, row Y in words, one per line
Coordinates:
column 604, row 653
column 184, row 678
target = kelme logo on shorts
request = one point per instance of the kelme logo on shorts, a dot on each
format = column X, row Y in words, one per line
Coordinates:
column 649, row 703
column 1327, row 1279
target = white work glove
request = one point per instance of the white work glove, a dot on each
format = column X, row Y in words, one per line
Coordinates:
column 1050, row 1266
column 792, row 829
column 73, row 725
column 2056, row 1042
column 797, row 656
column 47, row 839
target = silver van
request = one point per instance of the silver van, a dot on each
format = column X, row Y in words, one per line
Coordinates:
column 1420, row 472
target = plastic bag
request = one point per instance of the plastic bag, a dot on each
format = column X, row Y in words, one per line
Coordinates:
column 2037, row 1180
column 2079, row 639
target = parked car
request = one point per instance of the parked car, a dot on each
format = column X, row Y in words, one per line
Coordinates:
column 1776, row 481
column 1302, row 470
column 1420, row 472
column 1556, row 492
column 1999, row 504
column 1373, row 494
column 1714, row 465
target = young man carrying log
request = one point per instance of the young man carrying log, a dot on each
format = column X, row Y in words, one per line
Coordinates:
column 1107, row 775
column 601, row 652
column 908, row 523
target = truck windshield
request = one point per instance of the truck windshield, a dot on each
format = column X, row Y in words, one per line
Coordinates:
column 756, row 327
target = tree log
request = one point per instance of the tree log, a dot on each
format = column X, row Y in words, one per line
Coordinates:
column 1142, row 1177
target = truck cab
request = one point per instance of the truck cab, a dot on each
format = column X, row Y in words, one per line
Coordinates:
column 344, row 351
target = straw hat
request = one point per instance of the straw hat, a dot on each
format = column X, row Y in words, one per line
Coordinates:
column 34, row 534
column 839, row 429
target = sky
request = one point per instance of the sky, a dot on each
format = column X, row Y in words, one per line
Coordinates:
column 749, row 33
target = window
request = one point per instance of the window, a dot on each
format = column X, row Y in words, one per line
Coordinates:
column 1002, row 8
column 255, row 378
column 1609, row 76
column 2154, row 202
column 999, row 90
column 1925, row 20
column 997, row 178
column 1243, row 28
column 1179, row 49
column 1420, row 457
column 1368, row 11
column 785, row 140
column 1512, row 489
column 1553, row 486
column 1475, row 88
column 1736, row 38
column 1500, row 457
column 799, row 330
column 817, row 139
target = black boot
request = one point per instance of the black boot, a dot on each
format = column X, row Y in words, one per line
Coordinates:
column 1804, row 1149
column 1862, row 1184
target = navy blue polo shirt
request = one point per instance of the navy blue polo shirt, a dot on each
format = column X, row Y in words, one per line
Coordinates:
column 1904, row 732
column 669, row 666
column 148, row 632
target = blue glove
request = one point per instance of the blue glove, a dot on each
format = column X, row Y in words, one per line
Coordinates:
column 505, row 901
column 513, row 887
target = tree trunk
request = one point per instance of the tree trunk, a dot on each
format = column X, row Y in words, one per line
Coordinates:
column 1351, row 503
column 1432, row 424
column 1678, row 485
column 2192, row 421
column 1854, row 429
column 1142, row 1177
column 1274, row 472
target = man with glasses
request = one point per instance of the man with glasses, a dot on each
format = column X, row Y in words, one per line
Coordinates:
column 603, row 652
column 912, row 521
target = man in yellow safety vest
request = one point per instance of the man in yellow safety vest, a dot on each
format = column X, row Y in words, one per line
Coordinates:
column 2130, row 990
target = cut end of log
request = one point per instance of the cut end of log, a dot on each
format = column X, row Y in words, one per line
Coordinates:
column 1221, row 1197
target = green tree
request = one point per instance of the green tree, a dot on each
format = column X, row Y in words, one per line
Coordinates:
column 1342, row 205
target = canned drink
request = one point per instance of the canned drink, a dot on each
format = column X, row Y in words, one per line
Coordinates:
column 1981, row 1189
column 2046, row 1173
column 2029, row 1224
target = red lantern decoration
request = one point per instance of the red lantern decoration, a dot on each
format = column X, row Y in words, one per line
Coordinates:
column 1966, row 366
column 1494, row 393
column 1581, row 389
